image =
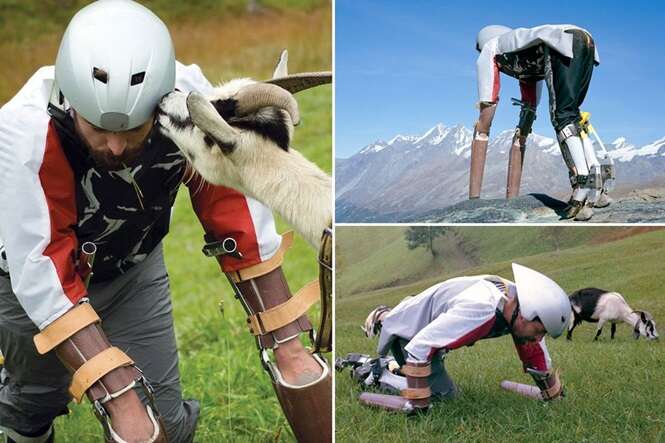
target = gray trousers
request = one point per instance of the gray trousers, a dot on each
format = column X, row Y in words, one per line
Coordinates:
column 441, row 384
column 136, row 314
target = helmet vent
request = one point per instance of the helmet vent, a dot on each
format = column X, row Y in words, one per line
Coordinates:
column 100, row 75
column 137, row 78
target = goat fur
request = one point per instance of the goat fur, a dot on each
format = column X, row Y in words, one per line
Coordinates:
column 259, row 165
column 599, row 306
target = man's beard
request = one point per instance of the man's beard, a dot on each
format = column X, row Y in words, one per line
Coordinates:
column 107, row 161
column 523, row 340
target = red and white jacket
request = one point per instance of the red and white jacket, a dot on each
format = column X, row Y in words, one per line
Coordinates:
column 53, row 198
column 455, row 313
column 530, row 69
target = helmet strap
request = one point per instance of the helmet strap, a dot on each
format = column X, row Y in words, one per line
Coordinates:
column 516, row 312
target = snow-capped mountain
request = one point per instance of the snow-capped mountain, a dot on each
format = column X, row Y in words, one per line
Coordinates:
column 418, row 173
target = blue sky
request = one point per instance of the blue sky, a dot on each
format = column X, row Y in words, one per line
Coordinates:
column 403, row 66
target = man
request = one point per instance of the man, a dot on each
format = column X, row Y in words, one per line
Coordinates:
column 421, row 330
column 84, row 166
column 564, row 57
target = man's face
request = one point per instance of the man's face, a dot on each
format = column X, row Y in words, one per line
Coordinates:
column 112, row 150
column 525, row 330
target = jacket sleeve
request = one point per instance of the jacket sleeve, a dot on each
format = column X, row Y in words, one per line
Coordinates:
column 468, row 320
column 534, row 355
column 38, row 210
column 225, row 212
column 489, row 81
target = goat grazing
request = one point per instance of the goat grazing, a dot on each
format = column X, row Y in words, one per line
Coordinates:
column 599, row 306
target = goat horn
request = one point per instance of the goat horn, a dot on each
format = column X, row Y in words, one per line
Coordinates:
column 259, row 95
column 205, row 117
column 304, row 80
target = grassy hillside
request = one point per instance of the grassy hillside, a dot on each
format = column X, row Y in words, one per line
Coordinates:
column 218, row 358
column 614, row 387
column 214, row 34
column 370, row 258
column 24, row 19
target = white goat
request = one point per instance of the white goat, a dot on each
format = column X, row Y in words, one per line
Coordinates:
column 599, row 306
column 239, row 137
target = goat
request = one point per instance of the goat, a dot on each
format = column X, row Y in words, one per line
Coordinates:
column 599, row 306
column 240, row 138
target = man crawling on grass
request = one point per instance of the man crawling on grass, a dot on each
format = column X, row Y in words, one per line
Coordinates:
column 421, row 330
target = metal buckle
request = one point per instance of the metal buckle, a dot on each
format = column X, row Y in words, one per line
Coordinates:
column 227, row 246
column 103, row 418
column 570, row 130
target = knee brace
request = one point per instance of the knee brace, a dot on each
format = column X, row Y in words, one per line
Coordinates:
column 572, row 151
column 100, row 371
column 605, row 164
column 414, row 398
column 275, row 317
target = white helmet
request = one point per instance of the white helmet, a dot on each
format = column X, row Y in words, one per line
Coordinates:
column 115, row 62
column 488, row 33
column 539, row 296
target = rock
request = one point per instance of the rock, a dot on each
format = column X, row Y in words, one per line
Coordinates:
column 640, row 206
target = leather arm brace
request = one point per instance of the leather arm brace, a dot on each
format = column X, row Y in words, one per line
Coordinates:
column 100, row 370
column 484, row 123
column 549, row 383
column 527, row 117
column 417, row 381
column 274, row 315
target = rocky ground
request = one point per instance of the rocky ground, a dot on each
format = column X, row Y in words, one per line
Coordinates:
column 639, row 206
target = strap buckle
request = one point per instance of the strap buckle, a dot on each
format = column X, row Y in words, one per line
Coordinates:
column 103, row 416
column 227, row 246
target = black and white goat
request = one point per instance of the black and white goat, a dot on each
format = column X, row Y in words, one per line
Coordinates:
column 599, row 306
column 240, row 137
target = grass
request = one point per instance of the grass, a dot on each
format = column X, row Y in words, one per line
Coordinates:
column 225, row 45
column 614, row 387
column 218, row 358
column 369, row 259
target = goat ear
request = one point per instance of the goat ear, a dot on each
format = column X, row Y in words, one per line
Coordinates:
column 643, row 316
column 281, row 69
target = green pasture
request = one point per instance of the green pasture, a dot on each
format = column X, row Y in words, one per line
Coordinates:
column 369, row 259
column 615, row 389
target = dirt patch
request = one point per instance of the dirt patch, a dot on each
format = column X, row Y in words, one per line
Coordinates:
column 609, row 235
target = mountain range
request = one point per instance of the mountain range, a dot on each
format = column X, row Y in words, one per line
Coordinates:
column 413, row 174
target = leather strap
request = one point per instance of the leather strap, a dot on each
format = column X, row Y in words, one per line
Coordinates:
column 272, row 319
column 324, row 333
column 416, row 393
column 65, row 326
column 264, row 267
column 416, row 371
column 553, row 391
column 94, row 369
